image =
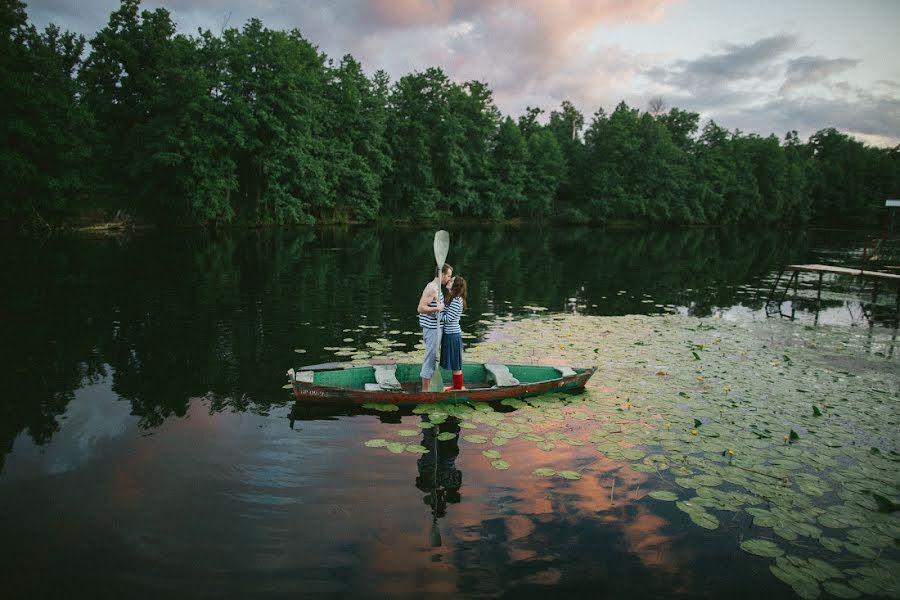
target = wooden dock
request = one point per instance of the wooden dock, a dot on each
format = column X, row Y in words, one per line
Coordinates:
column 822, row 269
column 875, row 276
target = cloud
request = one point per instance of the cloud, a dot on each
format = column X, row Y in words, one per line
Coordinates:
column 538, row 53
column 873, row 118
column 810, row 70
column 739, row 62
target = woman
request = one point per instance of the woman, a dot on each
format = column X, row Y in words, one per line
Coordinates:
column 451, row 342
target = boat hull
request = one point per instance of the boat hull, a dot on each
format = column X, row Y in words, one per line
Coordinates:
column 313, row 392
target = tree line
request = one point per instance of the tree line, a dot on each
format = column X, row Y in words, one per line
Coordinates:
column 255, row 126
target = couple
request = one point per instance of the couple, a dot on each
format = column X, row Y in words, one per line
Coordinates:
column 432, row 312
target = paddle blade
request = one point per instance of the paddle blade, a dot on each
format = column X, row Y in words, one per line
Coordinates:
column 437, row 382
column 441, row 247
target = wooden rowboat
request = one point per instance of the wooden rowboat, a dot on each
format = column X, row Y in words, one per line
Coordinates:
column 400, row 383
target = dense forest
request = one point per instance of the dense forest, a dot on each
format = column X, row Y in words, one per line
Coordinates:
column 256, row 126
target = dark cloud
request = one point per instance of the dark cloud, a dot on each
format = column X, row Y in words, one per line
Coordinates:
column 738, row 62
column 868, row 116
column 809, row 70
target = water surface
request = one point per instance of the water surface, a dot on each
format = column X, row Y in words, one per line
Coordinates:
column 148, row 446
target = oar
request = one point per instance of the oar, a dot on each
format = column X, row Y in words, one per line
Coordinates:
column 441, row 248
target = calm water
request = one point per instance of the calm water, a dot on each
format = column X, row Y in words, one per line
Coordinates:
column 148, row 448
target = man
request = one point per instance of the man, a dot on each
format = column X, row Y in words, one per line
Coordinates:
column 430, row 306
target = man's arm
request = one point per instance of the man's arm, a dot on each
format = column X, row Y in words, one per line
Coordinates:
column 428, row 294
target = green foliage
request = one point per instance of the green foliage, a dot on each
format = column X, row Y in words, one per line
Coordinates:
column 255, row 126
column 44, row 126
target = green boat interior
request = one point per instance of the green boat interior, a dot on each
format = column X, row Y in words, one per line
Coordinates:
column 405, row 377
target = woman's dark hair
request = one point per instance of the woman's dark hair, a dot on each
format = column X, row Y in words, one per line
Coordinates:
column 459, row 289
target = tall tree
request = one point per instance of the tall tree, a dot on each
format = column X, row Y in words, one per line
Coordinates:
column 510, row 163
column 44, row 126
column 566, row 125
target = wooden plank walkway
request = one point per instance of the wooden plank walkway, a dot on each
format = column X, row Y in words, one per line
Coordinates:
column 875, row 276
column 843, row 271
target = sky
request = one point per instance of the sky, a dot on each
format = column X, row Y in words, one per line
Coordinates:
column 761, row 66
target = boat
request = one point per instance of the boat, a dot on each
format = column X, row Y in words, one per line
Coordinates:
column 399, row 383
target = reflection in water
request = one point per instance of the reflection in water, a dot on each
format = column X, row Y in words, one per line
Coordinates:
column 219, row 315
column 438, row 476
column 190, row 487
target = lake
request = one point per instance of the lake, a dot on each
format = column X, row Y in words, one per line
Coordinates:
column 149, row 448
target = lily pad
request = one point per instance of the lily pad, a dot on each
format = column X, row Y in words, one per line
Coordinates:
column 762, row 547
column 839, row 590
column 474, row 439
column 544, row 472
column 500, row 464
column 569, row 474
column 664, row 495
column 396, row 447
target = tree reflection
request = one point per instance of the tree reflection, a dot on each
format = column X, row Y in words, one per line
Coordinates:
column 167, row 318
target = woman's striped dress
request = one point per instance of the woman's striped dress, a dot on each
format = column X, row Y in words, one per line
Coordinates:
column 451, row 342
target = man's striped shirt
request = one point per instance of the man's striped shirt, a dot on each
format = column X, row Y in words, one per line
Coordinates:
column 430, row 320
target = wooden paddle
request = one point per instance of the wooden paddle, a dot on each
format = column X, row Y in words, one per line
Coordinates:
column 441, row 248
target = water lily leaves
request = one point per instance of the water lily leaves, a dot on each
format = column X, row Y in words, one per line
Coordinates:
column 544, row 472
column 396, row 447
column 642, row 468
column 762, row 517
column 500, row 464
column 445, row 436
column 698, row 514
column 664, row 495
column 860, row 550
column 822, row 570
column 381, row 407
column 803, row 585
column 569, row 474
column 824, row 477
column 376, row 443
column 704, row 519
column 785, row 532
column 761, row 547
column 632, row 453
column 417, row 449
column 407, row 432
column 831, row 543
column 839, row 590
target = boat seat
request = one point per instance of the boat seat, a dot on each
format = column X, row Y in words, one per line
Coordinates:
column 565, row 371
column 373, row 387
column 500, row 375
column 304, row 376
column 386, row 377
